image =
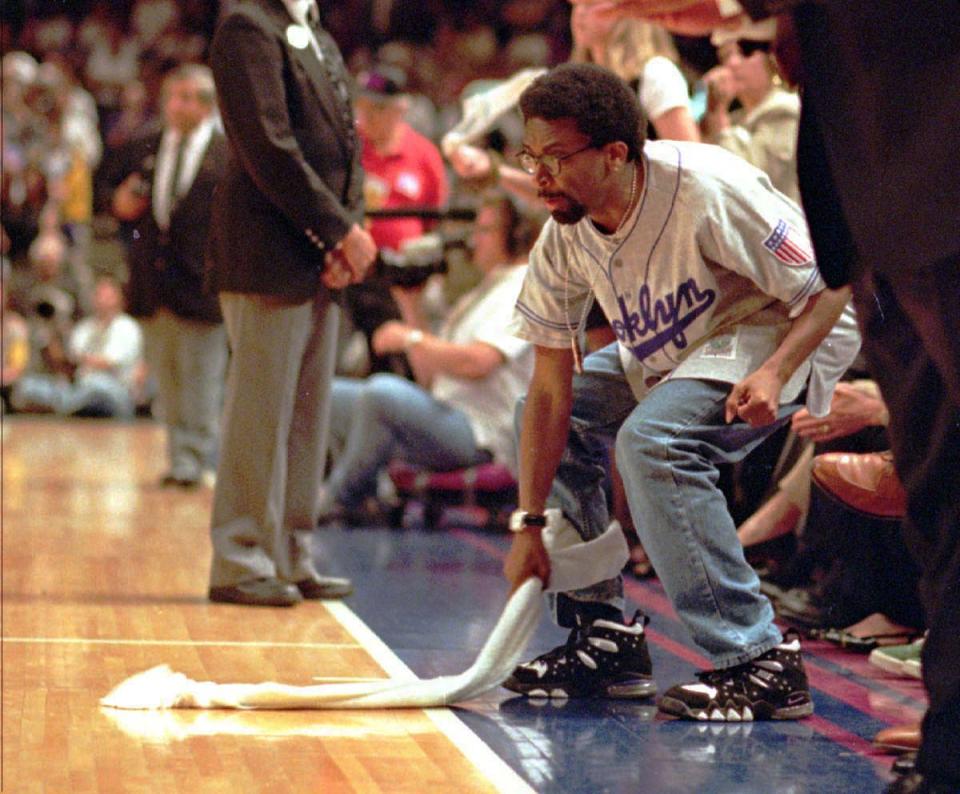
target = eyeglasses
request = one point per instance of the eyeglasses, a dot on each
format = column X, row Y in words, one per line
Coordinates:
column 551, row 162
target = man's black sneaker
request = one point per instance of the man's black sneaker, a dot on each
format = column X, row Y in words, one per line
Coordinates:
column 771, row 687
column 600, row 659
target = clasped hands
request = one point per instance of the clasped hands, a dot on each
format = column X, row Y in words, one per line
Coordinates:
column 350, row 260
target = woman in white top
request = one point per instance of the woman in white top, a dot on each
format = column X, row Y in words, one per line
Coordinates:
column 638, row 51
column 764, row 129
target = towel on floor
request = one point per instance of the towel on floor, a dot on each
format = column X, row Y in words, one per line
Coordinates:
column 574, row 564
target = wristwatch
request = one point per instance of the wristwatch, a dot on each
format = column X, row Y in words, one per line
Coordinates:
column 521, row 520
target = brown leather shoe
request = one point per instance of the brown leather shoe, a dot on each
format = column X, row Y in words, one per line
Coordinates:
column 899, row 738
column 864, row 481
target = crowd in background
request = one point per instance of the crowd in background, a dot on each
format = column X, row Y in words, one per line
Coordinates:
column 81, row 83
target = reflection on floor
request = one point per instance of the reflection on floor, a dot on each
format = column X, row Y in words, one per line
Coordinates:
column 432, row 597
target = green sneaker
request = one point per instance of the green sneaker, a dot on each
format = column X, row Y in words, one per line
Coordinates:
column 902, row 660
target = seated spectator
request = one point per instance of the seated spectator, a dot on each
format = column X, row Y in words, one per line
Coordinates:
column 849, row 579
column 134, row 114
column 58, row 93
column 43, row 292
column 469, row 375
column 47, row 308
column 643, row 55
column 403, row 171
column 855, row 422
column 14, row 343
column 151, row 19
column 102, row 355
column 853, row 581
column 640, row 53
column 23, row 189
column 113, row 61
column 763, row 130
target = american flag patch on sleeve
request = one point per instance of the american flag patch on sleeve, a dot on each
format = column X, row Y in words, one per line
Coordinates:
column 788, row 245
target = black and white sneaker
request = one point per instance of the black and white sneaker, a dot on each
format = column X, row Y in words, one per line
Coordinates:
column 771, row 687
column 600, row 659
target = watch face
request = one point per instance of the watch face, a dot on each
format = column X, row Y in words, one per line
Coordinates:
column 521, row 520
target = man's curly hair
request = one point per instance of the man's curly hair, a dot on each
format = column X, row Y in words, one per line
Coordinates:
column 600, row 103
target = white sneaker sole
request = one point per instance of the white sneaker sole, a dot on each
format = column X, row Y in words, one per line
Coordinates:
column 678, row 708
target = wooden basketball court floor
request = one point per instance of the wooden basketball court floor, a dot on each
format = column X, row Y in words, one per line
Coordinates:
column 104, row 575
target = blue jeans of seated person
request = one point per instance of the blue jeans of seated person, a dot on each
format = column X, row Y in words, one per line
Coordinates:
column 385, row 416
column 92, row 394
column 668, row 448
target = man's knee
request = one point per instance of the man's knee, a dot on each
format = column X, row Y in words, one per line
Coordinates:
column 382, row 387
column 640, row 443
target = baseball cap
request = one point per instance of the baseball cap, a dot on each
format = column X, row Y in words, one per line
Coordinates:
column 382, row 82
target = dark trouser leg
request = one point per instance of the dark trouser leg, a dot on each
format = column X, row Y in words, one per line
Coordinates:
column 912, row 343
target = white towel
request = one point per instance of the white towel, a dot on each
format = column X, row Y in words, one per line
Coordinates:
column 574, row 565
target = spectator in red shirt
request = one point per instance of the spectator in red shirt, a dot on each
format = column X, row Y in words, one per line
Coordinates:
column 403, row 170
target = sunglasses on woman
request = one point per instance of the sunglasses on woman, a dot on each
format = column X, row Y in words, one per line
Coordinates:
column 748, row 47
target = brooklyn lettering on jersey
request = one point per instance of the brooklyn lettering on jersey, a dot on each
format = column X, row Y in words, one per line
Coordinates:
column 666, row 318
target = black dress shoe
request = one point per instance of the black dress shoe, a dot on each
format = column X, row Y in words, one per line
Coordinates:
column 917, row 783
column 325, row 587
column 263, row 592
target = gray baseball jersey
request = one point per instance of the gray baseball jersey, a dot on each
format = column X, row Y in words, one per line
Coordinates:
column 703, row 280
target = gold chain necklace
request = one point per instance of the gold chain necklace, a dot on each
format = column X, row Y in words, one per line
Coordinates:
column 629, row 209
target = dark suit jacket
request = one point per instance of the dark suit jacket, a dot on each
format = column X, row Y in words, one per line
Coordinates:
column 168, row 270
column 293, row 186
column 879, row 150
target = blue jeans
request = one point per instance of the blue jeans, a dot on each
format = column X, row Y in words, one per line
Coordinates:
column 386, row 416
column 668, row 448
column 92, row 394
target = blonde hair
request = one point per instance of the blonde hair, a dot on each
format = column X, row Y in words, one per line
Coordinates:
column 631, row 43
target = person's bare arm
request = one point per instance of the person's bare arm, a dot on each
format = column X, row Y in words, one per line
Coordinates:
column 543, row 438
column 684, row 17
column 430, row 355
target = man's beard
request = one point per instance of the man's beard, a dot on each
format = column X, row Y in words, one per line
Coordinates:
column 572, row 213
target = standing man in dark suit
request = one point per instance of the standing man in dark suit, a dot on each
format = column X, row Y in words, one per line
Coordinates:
column 878, row 160
column 286, row 231
column 166, row 195
column 879, row 166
